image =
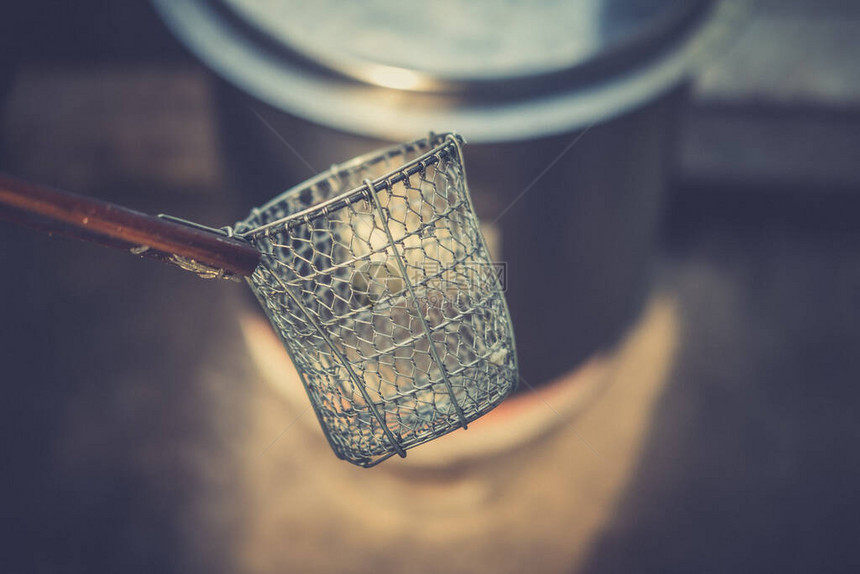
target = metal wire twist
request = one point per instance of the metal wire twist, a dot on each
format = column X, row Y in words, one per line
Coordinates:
column 377, row 279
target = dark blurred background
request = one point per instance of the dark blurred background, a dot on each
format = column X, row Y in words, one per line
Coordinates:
column 114, row 447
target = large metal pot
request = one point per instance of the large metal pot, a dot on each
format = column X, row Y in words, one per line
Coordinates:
column 568, row 107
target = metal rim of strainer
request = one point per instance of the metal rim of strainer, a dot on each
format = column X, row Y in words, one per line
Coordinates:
column 435, row 144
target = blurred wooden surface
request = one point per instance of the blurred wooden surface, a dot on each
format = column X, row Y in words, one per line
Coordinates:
column 105, row 128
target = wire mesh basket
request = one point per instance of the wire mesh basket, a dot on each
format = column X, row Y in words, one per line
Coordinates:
column 377, row 279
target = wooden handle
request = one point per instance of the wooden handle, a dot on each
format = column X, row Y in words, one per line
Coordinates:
column 101, row 222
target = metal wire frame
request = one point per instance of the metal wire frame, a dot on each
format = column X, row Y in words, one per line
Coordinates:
column 291, row 216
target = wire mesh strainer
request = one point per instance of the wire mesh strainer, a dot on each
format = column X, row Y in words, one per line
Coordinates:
column 374, row 274
column 377, row 279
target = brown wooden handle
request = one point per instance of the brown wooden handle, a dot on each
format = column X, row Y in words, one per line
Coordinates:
column 108, row 224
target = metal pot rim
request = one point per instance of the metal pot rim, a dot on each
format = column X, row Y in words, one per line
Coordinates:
column 393, row 114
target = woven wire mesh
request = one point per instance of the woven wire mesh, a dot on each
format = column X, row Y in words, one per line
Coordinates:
column 377, row 279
